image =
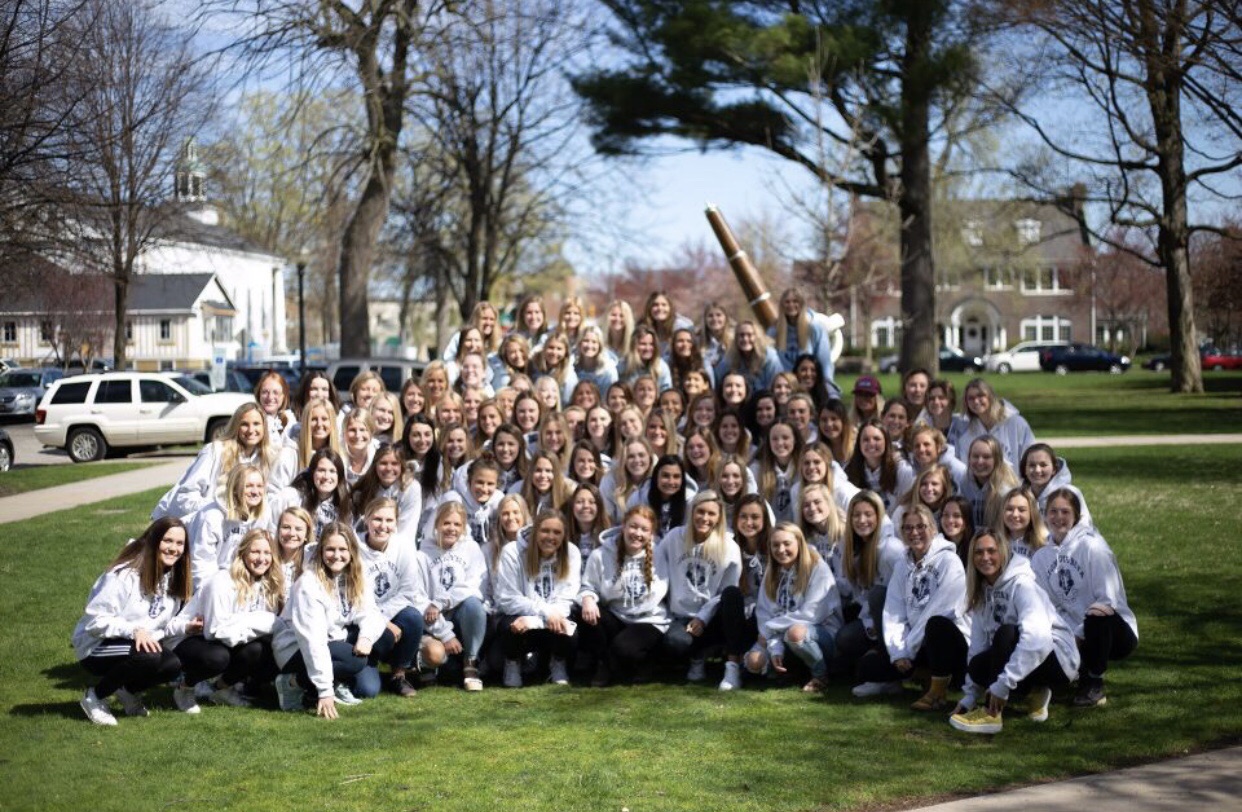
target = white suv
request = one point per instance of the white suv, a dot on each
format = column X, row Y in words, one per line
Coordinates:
column 88, row 414
column 1021, row 357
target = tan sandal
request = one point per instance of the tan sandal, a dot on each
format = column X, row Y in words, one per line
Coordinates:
column 815, row 686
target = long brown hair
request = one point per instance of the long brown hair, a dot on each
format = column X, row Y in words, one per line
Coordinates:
column 532, row 562
column 142, row 554
column 355, row 582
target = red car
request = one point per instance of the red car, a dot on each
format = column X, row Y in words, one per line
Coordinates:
column 1214, row 358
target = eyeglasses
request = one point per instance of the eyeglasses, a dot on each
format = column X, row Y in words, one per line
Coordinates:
column 914, row 528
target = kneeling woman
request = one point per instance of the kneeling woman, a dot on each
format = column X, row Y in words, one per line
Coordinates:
column 798, row 607
column 1017, row 640
column 1079, row 571
column 132, row 607
column 535, row 591
column 330, row 626
column 392, row 572
column 622, row 598
column 924, row 620
column 241, row 606
column 701, row 561
column 454, row 610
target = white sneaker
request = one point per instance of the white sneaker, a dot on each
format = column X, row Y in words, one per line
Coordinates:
column 229, row 696
column 1037, row 709
column 559, row 673
column 513, row 674
column 184, row 699
column 345, row 696
column 132, row 703
column 288, row 693
column 698, row 670
column 867, row 689
column 96, row 708
column 732, row 677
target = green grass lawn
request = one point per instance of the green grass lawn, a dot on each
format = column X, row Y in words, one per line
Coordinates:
column 1169, row 513
column 22, row 480
column 1090, row 403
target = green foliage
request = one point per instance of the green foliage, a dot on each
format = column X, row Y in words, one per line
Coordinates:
column 1167, row 512
column 22, row 480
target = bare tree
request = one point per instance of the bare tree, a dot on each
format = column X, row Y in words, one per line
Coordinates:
column 143, row 93
column 1217, row 273
column 1160, row 72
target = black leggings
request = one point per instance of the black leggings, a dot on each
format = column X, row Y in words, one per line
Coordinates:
column 679, row 643
column 988, row 664
column 1104, row 638
column 345, row 664
column 515, row 646
column 135, row 671
column 203, row 659
column 624, row 645
column 739, row 631
column 943, row 652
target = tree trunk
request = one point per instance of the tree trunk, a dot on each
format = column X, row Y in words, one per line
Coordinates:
column 1164, row 91
column 357, row 254
column 918, row 271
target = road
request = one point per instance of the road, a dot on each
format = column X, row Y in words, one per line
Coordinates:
column 28, row 451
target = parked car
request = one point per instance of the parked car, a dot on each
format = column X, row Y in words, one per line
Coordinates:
column 394, row 372
column 6, row 451
column 253, row 372
column 1217, row 359
column 21, row 389
column 87, row 415
column 234, row 381
column 1021, row 357
column 1081, row 358
column 1158, row 363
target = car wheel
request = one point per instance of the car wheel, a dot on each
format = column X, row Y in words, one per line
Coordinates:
column 6, row 456
column 1061, row 369
column 86, row 445
column 216, row 429
column 1217, row 368
column 1115, row 369
column 1158, row 366
column 1004, row 369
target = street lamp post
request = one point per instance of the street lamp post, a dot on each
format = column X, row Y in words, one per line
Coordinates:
column 302, row 315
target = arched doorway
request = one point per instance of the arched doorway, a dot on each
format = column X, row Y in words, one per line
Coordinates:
column 975, row 327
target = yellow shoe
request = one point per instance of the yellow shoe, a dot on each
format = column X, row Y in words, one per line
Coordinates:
column 976, row 721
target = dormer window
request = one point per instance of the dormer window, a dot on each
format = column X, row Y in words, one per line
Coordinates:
column 972, row 233
column 1028, row 231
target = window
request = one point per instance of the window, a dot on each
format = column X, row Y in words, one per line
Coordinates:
column 165, row 329
column 947, row 278
column 997, row 278
column 115, row 391
column 166, row 365
column 47, row 332
column 1045, row 328
column 10, row 332
column 157, row 392
column 1029, row 231
column 72, row 392
column 886, row 332
column 1045, row 280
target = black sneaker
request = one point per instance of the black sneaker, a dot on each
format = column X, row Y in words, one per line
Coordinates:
column 602, row 677
column 1090, row 695
column 402, row 687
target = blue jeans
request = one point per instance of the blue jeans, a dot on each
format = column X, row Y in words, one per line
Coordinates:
column 816, row 649
column 400, row 653
column 469, row 620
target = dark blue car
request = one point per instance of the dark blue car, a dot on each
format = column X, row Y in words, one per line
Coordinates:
column 1081, row 358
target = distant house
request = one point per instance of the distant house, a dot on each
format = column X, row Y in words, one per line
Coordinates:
column 1006, row 271
column 174, row 322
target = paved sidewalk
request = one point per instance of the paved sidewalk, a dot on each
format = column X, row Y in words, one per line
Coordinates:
column 47, row 500
column 1208, row 781
column 1140, row 439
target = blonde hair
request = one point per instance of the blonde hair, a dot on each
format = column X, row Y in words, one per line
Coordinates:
column 1001, row 481
column 803, row 565
column 802, row 324
column 271, row 585
column 976, row 585
column 866, row 550
column 235, row 506
column 1036, row 534
column 715, row 547
column 355, row 581
column 305, row 448
column 532, row 562
column 231, row 450
column 835, row 526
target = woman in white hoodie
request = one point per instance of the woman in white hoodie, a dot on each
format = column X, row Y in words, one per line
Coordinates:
column 330, row 625
column 1079, row 571
column 701, row 561
column 132, row 608
column 798, row 607
column 535, row 590
column 217, row 529
column 924, row 621
column 240, row 605
column 1018, row 643
column 454, row 610
column 622, row 598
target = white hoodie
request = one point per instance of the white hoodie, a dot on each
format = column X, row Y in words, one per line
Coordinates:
column 891, row 552
column 116, row 607
column 214, row 539
column 1079, row 572
column 229, row 623
column 202, row 481
column 392, row 575
column 1015, row 599
column 817, row 605
column 1062, row 479
column 695, row 582
column 454, row 574
column 1012, row 432
column 921, row 590
column 623, row 590
column 522, row 595
column 313, row 618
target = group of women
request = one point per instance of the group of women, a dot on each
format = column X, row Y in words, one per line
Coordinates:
column 615, row 502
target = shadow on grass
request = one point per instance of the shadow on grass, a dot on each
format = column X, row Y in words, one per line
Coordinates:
column 67, row 710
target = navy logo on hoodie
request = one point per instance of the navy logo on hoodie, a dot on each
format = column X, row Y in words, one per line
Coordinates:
column 382, row 584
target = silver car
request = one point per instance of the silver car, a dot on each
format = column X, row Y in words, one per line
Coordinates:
column 21, row 389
